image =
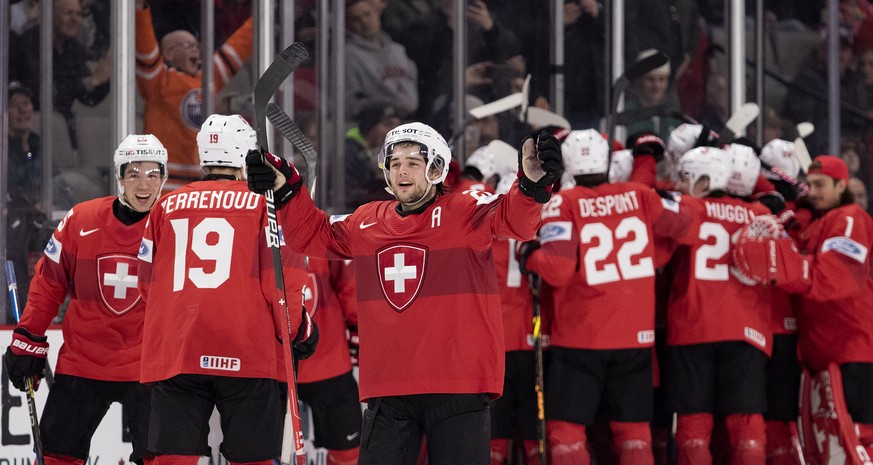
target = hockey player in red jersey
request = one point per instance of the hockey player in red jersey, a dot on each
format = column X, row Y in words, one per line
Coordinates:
column 718, row 334
column 92, row 254
column 211, row 332
column 598, row 252
column 325, row 381
column 428, row 307
column 832, row 272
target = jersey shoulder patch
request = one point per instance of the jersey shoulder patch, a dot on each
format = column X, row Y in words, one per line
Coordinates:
column 337, row 218
column 847, row 247
column 53, row 249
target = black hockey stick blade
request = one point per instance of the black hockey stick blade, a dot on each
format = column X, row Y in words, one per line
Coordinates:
column 269, row 83
column 289, row 129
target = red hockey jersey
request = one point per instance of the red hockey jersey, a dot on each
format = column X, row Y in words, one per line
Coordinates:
column 708, row 302
column 429, row 314
column 598, row 251
column 92, row 255
column 207, row 279
column 328, row 301
column 835, row 323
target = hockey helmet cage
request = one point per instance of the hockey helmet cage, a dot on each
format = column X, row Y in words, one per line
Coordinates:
column 496, row 158
column 711, row 162
column 585, row 151
column 779, row 154
column 433, row 147
column 621, row 166
column 225, row 140
column 745, row 169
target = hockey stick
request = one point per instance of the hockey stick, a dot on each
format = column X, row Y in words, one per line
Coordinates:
column 800, row 150
column 540, row 118
column 28, row 382
column 737, row 123
column 483, row 111
column 535, row 283
column 632, row 73
column 266, row 86
column 289, row 129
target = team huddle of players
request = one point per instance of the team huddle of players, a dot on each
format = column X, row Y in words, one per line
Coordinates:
column 695, row 299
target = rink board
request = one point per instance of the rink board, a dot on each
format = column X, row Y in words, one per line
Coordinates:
column 107, row 446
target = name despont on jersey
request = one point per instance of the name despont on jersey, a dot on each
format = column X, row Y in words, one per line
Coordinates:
column 211, row 200
column 732, row 213
column 609, row 205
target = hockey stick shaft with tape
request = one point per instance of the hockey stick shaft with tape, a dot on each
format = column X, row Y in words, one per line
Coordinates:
column 267, row 85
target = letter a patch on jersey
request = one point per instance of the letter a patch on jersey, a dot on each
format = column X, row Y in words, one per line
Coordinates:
column 310, row 294
column 116, row 278
column 401, row 272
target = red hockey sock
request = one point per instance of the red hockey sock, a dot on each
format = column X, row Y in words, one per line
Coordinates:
column 692, row 438
column 780, row 450
column 343, row 457
column 54, row 459
column 172, row 460
column 567, row 443
column 632, row 442
column 531, row 452
column 748, row 439
column 499, row 451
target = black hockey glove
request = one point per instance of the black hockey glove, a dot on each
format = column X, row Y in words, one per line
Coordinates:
column 307, row 338
column 523, row 252
column 267, row 171
column 772, row 200
column 354, row 344
column 25, row 358
column 544, row 162
column 646, row 143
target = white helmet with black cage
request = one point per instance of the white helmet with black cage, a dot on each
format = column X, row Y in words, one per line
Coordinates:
column 224, row 141
column 432, row 146
column 139, row 148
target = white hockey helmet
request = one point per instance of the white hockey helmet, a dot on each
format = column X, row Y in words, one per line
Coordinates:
column 621, row 166
column 433, row 147
column 136, row 148
column 225, row 140
column 706, row 161
column 496, row 158
column 682, row 139
column 504, row 185
column 745, row 169
column 585, row 151
column 780, row 155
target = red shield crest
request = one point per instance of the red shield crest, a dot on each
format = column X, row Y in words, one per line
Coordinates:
column 116, row 278
column 310, row 294
column 401, row 272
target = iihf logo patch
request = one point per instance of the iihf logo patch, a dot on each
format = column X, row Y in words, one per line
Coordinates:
column 145, row 250
column 213, row 362
column 53, row 249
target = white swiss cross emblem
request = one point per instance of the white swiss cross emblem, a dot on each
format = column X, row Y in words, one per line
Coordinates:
column 401, row 268
column 310, row 294
column 116, row 277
